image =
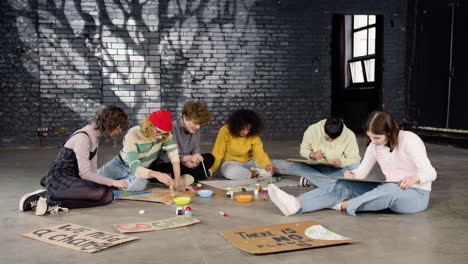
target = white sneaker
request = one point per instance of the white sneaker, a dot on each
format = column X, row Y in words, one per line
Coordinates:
column 45, row 205
column 336, row 207
column 287, row 203
column 186, row 179
column 303, row 182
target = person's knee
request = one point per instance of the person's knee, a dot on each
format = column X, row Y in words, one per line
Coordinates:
column 107, row 197
column 231, row 171
column 208, row 160
column 136, row 184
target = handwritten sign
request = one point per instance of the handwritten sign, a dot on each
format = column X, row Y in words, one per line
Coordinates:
column 157, row 225
column 78, row 237
column 157, row 195
column 280, row 237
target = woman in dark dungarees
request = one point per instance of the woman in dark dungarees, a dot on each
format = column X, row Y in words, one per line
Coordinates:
column 72, row 180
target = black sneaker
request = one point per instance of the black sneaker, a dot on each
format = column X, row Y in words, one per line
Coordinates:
column 303, row 182
column 45, row 205
column 29, row 200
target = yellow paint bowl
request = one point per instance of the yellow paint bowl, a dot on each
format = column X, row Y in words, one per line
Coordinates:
column 244, row 198
column 182, row 200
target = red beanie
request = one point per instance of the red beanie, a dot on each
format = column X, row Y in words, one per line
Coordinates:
column 161, row 119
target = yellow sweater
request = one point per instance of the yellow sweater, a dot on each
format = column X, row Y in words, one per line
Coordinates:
column 344, row 147
column 228, row 147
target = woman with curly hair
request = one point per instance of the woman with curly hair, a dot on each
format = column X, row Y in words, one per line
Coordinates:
column 141, row 146
column 238, row 144
column 72, row 181
column 195, row 166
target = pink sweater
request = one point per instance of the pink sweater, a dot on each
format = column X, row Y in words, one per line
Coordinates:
column 82, row 145
column 409, row 158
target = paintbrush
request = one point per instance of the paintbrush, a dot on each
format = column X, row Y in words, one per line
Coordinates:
column 204, row 170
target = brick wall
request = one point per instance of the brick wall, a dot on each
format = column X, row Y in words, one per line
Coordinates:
column 19, row 75
column 270, row 56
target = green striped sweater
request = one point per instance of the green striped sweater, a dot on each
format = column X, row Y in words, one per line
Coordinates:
column 139, row 151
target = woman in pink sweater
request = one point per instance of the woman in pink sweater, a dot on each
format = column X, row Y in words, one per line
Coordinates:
column 404, row 162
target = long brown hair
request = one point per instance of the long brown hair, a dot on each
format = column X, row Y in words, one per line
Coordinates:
column 109, row 119
column 382, row 123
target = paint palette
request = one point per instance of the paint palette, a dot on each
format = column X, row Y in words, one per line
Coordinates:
column 205, row 193
column 244, row 198
column 182, row 200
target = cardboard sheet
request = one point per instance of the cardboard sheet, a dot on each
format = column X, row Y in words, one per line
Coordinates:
column 283, row 237
column 156, row 195
column 356, row 180
column 248, row 184
column 312, row 162
column 78, row 237
column 174, row 222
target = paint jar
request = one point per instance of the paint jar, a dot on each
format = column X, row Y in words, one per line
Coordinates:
column 257, row 186
column 228, row 193
column 199, row 185
column 256, row 193
column 179, row 211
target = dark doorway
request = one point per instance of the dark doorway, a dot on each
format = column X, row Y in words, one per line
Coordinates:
column 356, row 75
column 438, row 96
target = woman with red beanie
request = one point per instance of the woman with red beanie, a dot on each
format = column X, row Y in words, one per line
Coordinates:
column 141, row 146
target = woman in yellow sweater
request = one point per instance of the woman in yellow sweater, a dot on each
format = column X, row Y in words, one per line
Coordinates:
column 240, row 148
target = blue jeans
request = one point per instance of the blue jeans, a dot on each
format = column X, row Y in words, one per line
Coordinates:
column 310, row 172
column 116, row 169
column 365, row 197
column 235, row 170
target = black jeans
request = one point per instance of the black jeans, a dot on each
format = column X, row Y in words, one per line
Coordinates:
column 197, row 172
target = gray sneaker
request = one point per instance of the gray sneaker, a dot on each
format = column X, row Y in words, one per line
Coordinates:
column 29, row 200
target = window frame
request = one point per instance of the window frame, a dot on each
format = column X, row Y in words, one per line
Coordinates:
column 362, row 59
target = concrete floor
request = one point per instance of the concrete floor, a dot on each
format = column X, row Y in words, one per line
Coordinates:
column 438, row 235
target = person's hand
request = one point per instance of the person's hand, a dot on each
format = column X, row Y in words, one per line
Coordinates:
column 270, row 169
column 408, row 182
column 317, row 155
column 350, row 175
column 163, row 178
column 192, row 161
column 336, row 163
column 182, row 188
column 121, row 184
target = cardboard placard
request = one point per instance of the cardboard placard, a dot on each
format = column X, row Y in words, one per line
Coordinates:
column 78, row 237
column 357, row 180
column 157, row 225
column 283, row 237
column 248, row 184
column 156, row 195
column 311, row 162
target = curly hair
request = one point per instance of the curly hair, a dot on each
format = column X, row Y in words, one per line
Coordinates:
column 109, row 119
column 242, row 118
column 197, row 112
column 148, row 129
column 382, row 123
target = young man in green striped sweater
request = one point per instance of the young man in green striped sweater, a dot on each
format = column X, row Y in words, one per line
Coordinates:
column 141, row 146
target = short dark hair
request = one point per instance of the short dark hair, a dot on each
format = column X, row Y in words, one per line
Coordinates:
column 242, row 118
column 334, row 127
column 382, row 123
